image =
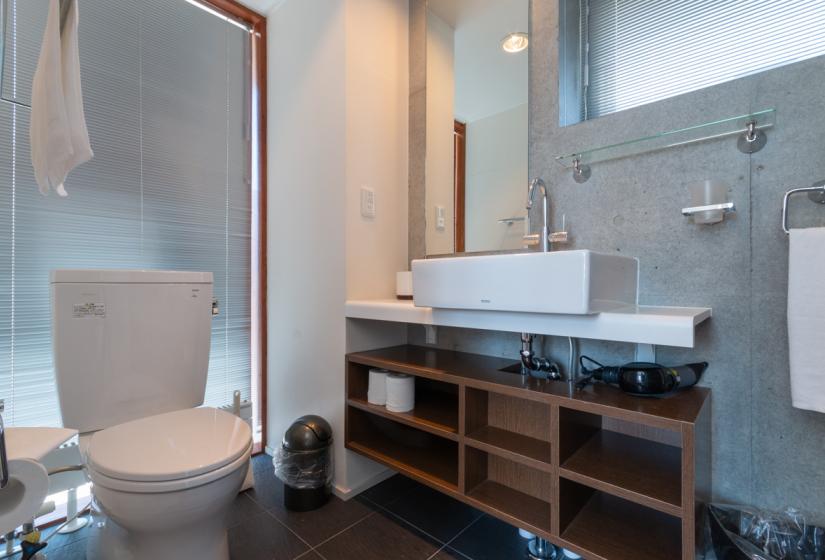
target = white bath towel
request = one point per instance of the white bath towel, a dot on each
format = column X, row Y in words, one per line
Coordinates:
column 59, row 138
column 806, row 318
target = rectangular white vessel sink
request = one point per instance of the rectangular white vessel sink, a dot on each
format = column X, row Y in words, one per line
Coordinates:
column 571, row 282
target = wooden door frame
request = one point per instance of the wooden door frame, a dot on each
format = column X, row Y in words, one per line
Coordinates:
column 258, row 167
column 459, row 184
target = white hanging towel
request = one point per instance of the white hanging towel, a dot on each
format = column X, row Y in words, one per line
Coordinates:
column 59, row 138
column 806, row 318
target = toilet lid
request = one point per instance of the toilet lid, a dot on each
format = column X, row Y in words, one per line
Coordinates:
column 170, row 446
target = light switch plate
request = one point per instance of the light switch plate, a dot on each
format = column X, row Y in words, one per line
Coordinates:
column 440, row 217
column 367, row 202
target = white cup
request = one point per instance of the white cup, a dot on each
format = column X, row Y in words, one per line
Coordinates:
column 403, row 285
column 707, row 193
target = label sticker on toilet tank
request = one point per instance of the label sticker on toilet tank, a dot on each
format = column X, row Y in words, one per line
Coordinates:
column 84, row 310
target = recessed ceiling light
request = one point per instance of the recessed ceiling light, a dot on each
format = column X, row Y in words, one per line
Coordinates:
column 514, row 42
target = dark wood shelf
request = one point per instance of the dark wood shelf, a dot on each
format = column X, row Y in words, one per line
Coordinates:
column 610, row 528
column 522, row 509
column 642, row 471
column 429, row 458
column 436, row 413
column 510, row 445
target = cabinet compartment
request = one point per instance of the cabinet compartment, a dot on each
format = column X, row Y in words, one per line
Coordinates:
column 436, row 402
column 616, row 529
column 516, row 429
column 520, row 492
column 423, row 455
column 639, row 463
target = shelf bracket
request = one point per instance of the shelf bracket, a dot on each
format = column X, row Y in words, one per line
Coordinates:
column 646, row 353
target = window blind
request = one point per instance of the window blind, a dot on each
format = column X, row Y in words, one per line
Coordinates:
column 642, row 51
column 165, row 91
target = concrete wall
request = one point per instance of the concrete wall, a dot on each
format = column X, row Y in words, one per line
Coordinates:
column 764, row 452
column 338, row 93
column 496, row 179
column 440, row 168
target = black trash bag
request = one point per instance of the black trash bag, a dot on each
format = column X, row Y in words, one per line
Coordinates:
column 745, row 533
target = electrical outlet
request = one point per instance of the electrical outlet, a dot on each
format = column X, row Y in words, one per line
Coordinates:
column 367, row 202
column 431, row 334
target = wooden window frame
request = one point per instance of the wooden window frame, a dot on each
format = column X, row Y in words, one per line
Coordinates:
column 459, row 180
column 258, row 167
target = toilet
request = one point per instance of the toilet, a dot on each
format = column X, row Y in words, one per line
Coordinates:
column 131, row 352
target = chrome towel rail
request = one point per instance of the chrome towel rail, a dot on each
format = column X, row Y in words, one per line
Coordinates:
column 816, row 193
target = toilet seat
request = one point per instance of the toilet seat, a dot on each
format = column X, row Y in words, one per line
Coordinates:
column 168, row 452
column 169, row 485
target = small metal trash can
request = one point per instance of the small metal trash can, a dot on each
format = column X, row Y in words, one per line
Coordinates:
column 304, row 463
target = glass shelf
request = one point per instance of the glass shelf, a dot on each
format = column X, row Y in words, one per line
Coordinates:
column 671, row 139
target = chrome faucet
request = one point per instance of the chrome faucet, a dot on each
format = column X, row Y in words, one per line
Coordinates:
column 544, row 237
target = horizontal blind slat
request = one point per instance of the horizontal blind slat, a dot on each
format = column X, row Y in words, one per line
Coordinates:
column 646, row 50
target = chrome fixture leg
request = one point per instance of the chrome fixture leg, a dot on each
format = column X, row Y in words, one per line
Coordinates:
column 71, row 511
column 541, row 549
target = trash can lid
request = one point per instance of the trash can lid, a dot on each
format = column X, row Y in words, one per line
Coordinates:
column 308, row 433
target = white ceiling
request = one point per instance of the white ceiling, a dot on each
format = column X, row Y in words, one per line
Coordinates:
column 487, row 80
column 263, row 7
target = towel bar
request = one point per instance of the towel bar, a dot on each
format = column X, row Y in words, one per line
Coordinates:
column 816, row 194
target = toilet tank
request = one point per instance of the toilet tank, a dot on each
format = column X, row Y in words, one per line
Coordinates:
column 129, row 343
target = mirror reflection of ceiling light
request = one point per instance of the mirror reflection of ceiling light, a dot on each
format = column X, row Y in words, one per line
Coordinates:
column 514, row 42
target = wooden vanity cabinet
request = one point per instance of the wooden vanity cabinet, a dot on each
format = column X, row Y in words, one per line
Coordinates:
column 605, row 474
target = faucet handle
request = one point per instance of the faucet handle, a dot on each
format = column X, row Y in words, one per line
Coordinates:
column 532, row 239
column 559, row 237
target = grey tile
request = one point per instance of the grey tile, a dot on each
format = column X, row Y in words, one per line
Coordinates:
column 76, row 550
column 264, row 538
column 448, row 553
column 379, row 537
column 490, row 539
column 389, row 491
column 268, row 491
column 311, row 555
column 434, row 513
column 242, row 509
column 319, row 525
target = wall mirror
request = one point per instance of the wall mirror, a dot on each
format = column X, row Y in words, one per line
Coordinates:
column 476, row 124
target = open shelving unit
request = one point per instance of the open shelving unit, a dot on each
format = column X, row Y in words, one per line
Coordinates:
column 605, row 474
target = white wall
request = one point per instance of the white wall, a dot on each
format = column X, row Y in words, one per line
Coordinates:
column 337, row 120
column 377, row 81
column 439, row 159
column 496, row 180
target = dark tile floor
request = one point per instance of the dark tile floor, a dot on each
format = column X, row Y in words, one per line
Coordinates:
column 398, row 519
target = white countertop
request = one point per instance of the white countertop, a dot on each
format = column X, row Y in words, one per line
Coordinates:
column 665, row 326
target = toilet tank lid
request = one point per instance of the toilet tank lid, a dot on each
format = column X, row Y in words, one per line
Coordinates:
column 128, row 276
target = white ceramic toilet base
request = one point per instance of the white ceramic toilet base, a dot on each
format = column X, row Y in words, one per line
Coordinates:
column 207, row 541
column 187, row 524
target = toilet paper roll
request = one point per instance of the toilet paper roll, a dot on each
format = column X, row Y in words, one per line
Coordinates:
column 377, row 391
column 400, row 392
column 25, row 493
